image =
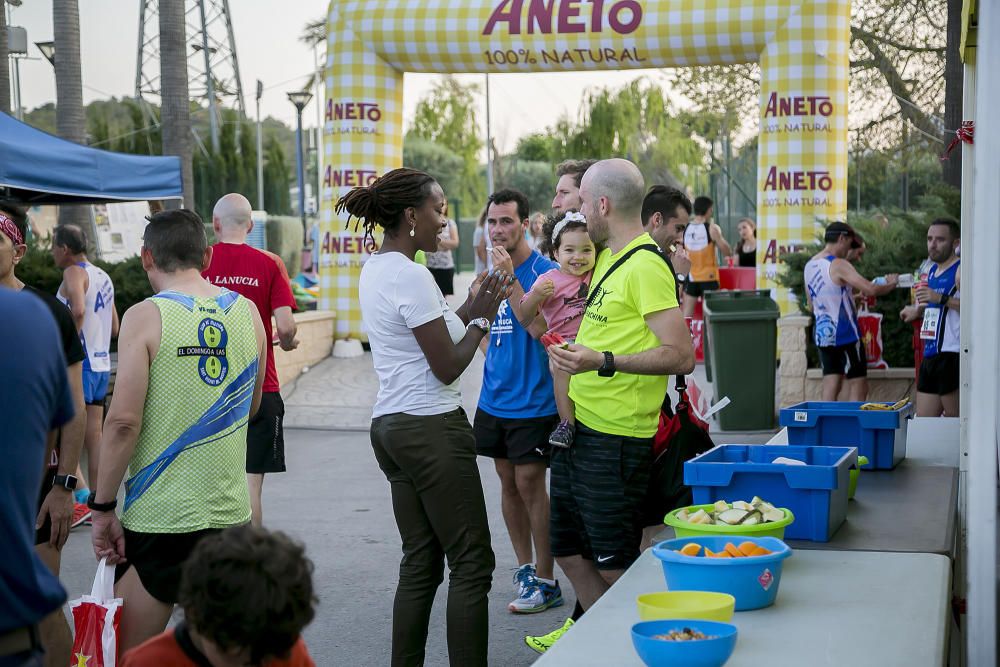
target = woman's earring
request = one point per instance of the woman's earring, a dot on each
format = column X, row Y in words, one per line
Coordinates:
column 413, row 231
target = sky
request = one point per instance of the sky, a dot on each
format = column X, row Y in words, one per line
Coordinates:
column 268, row 48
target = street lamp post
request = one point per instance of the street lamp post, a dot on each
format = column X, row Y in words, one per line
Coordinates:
column 300, row 99
column 260, row 148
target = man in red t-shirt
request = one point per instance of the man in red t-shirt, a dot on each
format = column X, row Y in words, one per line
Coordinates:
column 261, row 277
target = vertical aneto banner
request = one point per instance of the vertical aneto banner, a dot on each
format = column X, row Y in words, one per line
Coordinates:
column 802, row 46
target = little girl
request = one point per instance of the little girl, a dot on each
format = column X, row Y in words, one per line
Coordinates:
column 561, row 295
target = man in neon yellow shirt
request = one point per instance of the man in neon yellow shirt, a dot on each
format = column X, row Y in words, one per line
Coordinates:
column 189, row 378
column 632, row 337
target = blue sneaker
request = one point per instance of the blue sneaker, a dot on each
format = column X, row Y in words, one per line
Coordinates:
column 536, row 596
column 522, row 576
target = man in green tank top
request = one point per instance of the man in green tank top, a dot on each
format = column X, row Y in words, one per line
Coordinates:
column 190, row 370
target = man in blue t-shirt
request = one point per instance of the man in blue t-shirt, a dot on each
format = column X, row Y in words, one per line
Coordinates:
column 35, row 393
column 517, row 409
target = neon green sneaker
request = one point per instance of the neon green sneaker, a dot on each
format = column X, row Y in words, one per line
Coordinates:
column 543, row 643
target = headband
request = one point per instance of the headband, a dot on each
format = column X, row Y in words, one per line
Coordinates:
column 572, row 216
column 8, row 227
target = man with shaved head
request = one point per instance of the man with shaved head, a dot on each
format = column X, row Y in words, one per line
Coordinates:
column 632, row 337
column 261, row 277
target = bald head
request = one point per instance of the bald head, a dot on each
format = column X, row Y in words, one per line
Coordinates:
column 232, row 210
column 620, row 183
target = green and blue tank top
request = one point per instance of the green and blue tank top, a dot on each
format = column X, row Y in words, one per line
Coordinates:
column 188, row 472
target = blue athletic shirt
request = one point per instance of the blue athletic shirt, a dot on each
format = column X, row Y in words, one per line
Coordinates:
column 36, row 398
column 516, row 380
column 947, row 339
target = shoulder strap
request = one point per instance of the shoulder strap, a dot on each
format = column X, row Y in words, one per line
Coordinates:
column 621, row 260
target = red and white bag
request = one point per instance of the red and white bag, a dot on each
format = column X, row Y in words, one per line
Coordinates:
column 870, row 328
column 95, row 619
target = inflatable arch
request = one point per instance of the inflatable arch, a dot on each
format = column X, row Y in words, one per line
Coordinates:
column 802, row 47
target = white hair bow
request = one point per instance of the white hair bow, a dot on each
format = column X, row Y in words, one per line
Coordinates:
column 572, row 216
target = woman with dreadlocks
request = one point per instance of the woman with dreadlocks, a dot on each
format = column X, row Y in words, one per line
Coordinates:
column 420, row 433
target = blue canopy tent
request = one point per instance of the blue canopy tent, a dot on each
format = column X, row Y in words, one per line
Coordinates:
column 38, row 168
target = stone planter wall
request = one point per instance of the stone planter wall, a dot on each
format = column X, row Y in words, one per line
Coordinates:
column 315, row 334
column 799, row 383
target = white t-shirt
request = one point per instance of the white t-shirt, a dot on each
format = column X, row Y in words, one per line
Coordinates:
column 398, row 295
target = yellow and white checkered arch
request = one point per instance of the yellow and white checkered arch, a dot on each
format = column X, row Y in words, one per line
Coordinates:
column 802, row 46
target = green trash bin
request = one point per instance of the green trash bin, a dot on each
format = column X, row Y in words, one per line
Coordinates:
column 741, row 327
column 704, row 334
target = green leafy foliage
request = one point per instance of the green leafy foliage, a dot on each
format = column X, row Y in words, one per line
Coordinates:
column 446, row 166
column 39, row 270
column 447, row 117
column 899, row 248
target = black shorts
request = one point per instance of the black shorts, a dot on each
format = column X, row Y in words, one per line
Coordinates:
column 158, row 559
column 445, row 279
column 598, row 489
column 938, row 374
column 266, row 436
column 848, row 360
column 43, row 534
column 699, row 288
column 518, row 440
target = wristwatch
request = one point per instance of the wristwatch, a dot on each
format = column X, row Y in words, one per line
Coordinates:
column 482, row 324
column 67, row 482
column 944, row 300
column 608, row 368
column 100, row 507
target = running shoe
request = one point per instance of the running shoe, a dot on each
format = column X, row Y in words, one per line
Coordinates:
column 81, row 515
column 536, row 596
column 543, row 643
column 562, row 437
column 522, row 576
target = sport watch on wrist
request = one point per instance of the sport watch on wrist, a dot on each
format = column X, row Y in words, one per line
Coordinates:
column 100, row 507
column 482, row 324
column 67, row 482
column 608, row 368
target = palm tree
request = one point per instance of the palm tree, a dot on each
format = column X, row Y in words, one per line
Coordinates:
column 4, row 63
column 175, row 112
column 71, row 122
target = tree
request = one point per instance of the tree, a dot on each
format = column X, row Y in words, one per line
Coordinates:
column 277, row 179
column 446, row 167
column 535, row 179
column 447, row 117
column 175, row 114
column 634, row 122
column 70, row 120
column 953, row 82
column 4, row 62
column 897, row 75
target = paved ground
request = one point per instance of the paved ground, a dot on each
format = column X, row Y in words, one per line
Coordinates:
column 336, row 500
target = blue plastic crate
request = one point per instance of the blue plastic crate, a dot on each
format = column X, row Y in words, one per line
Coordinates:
column 816, row 493
column 878, row 434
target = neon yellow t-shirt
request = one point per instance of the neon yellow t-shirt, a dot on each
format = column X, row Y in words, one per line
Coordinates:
column 627, row 405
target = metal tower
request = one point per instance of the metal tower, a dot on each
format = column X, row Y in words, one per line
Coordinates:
column 213, row 68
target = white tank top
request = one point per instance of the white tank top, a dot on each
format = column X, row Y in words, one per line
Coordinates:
column 96, row 332
column 835, row 320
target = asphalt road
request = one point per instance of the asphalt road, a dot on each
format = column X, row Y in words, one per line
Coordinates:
column 335, row 499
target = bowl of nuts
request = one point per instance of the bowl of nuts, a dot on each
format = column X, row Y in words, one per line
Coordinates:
column 688, row 642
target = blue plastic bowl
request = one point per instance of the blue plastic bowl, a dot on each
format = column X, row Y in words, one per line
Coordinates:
column 753, row 580
column 697, row 653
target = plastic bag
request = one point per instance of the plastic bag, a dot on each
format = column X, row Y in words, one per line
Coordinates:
column 870, row 328
column 95, row 619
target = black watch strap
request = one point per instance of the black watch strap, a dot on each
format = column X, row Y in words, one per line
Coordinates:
column 608, row 368
column 67, row 482
column 100, row 507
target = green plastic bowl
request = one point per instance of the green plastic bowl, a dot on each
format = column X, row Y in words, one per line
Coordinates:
column 852, row 485
column 686, row 604
column 685, row 529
